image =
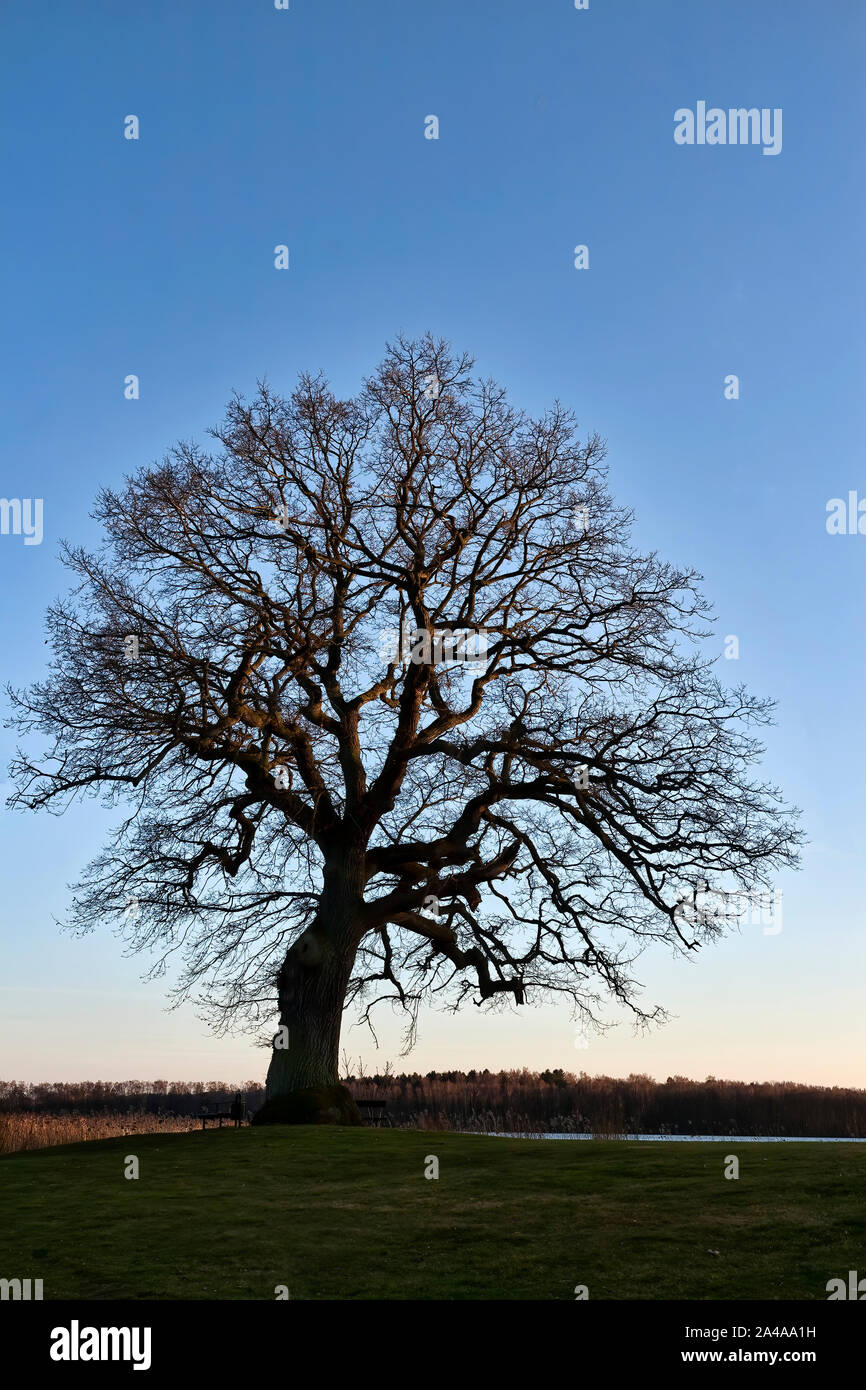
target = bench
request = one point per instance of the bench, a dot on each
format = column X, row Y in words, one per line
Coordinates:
column 374, row 1111
column 222, row 1112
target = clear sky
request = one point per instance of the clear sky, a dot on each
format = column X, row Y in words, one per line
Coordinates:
column 306, row 127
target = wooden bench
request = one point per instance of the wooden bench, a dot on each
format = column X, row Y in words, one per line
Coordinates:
column 374, row 1111
column 222, row 1112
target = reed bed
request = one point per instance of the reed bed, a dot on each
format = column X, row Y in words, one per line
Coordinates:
column 38, row 1130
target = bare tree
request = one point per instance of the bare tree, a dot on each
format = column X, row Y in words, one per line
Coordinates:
column 395, row 711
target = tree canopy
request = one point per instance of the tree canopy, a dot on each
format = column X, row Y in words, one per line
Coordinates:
column 398, row 649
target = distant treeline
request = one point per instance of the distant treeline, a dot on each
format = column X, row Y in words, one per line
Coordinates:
column 545, row 1102
column 559, row 1101
column 125, row 1097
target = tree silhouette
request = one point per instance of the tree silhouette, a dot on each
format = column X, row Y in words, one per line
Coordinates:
column 395, row 711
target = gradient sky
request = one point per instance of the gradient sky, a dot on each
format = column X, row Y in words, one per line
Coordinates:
column 306, row 127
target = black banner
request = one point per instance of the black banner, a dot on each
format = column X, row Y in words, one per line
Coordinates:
column 79, row 1339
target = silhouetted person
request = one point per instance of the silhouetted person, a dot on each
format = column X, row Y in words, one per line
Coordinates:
column 237, row 1110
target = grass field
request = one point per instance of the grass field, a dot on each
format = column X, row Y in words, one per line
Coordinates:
column 348, row 1214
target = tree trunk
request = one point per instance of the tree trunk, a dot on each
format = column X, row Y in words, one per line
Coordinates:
column 303, row 1084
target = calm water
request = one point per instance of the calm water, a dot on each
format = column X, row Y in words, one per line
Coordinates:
column 691, row 1138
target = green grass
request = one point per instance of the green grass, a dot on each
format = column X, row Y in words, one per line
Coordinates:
column 348, row 1214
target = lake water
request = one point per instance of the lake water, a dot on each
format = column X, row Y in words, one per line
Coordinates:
column 690, row 1138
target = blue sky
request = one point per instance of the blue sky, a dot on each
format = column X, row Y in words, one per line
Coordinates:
column 261, row 127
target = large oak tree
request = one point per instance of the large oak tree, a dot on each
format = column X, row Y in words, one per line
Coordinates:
column 328, row 797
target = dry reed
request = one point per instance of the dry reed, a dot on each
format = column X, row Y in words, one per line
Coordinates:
column 38, row 1130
